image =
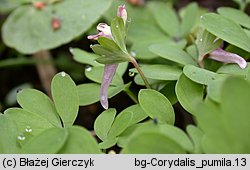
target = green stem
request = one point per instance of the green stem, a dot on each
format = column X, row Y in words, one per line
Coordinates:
column 200, row 61
column 134, row 62
column 243, row 6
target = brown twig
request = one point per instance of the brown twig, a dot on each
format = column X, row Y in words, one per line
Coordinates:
column 46, row 71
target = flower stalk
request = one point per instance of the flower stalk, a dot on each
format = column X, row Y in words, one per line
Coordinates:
column 134, row 62
column 112, row 48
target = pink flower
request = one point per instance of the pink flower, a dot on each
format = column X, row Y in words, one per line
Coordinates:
column 104, row 31
column 227, row 57
column 109, row 69
column 122, row 12
column 109, row 72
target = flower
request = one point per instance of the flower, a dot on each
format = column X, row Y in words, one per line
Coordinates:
column 109, row 72
column 104, row 31
column 109, row 69
column 226, row 57
column 122, row 12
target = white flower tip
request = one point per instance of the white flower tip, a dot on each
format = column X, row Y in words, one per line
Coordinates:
column 242, row 64
column 104, row 30
column 104, row 102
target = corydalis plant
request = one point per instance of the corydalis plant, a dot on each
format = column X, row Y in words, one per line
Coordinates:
column 112, row 48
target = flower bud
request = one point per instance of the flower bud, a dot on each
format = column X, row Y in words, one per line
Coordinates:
column 122, row 12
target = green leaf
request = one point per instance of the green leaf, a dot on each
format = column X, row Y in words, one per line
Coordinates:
column 49, row 141
column 188, row 20
column 236, row 15
column 193, row 51
column 229, row 131
column 156, row 105
column 79, row 141
column 206, row 43
column 8, row 5
column 84, row 57
column 160, row 72
column 189, row 93
column 177, row 135
column 233, row 69
column 215, row 87
column 24, row 119
column 226, row 29
column 122, row 68
column 109, row 44
column 29, row 30
column 104, row 122
column 172, row 53
column 138, row 80
column 196, row 135
column 37, row 102
column 236, row 88
column 125, row 136
column 166, row 18
column 11, row 97
column 65, row 97
column 112, row 59
column 169, row 91
column 102, row 51
column 152, row 143
column 122, row 121
column 109, row 51
column 95, row 74
column 119, row 33
column 89, row 93
column 108, row 143
column 170, row 131
column 199, row 75
column 213, row 80
column 138, row 114
column 247, row 32
column 8, row 135
column 248, row 75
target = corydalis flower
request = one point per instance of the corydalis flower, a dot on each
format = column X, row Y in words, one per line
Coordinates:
column 104, row 31
column 109, row 69
column 227, row 57
column 109, row 72
column 122, row 12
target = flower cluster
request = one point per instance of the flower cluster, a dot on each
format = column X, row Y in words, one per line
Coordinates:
column 104, row 30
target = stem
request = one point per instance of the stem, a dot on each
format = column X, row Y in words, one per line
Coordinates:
column 131, row 95
column 242, row 6
column 45, row 71
column 200, row 62
column 134, row 62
